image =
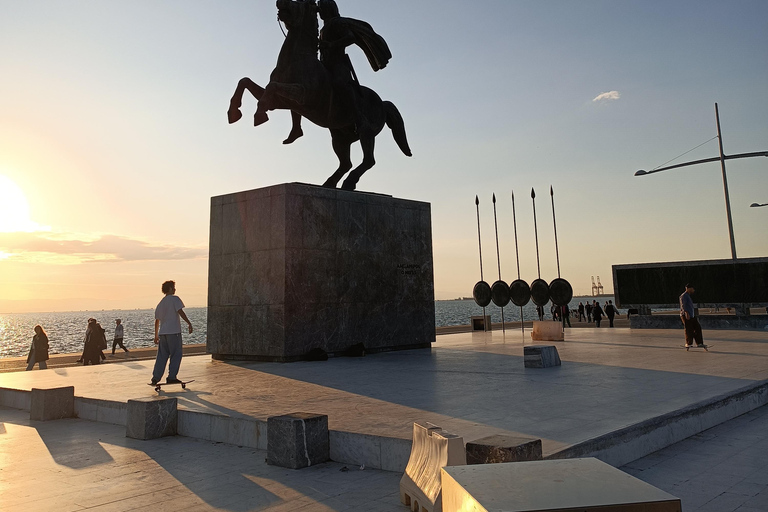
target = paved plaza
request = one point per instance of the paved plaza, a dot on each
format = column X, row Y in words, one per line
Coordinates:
column 71, row 465
column 472, row 384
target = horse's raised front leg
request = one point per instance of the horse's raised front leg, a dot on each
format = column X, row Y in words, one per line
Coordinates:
column 234, row 114
column 341, row 146
column 367, row 142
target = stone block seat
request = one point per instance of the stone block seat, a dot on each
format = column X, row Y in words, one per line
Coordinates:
column 541, row 356
column 503, row 448
column 298, row 440
column 52, row 404
column 151, row 418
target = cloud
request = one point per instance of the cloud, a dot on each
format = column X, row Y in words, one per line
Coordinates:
column 71, row 249
column 611, row 95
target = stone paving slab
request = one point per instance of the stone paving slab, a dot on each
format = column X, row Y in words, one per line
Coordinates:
column 71, row 465
column 723, row 469
column 471, row 384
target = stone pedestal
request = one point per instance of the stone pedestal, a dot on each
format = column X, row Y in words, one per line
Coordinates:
column 547, row 330
column 52, row 404
column 298, row 440
column 297, row 268
column 541, row 356
column 150, row 418
column 503, row 448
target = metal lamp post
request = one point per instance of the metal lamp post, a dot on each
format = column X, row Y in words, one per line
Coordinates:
column 722, row 158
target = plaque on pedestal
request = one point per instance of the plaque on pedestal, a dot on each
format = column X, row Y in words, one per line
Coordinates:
column 298, row 268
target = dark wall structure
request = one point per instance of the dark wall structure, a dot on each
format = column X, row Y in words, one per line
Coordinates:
column 740, row 284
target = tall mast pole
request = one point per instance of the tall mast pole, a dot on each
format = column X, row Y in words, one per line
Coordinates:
column 725, row 184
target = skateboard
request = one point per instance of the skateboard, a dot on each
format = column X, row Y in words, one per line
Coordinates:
column 705, row 347
column 160, row 385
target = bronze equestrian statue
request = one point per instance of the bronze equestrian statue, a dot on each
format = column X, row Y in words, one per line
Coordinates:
column 326, row 91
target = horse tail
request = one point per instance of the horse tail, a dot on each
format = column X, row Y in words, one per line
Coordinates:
column 397, row 125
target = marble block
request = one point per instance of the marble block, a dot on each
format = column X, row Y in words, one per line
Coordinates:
column 547, row 330
column 295, row 268
column 503, row 448
column 150, row 418
column 298, row 440
column 52, row 404
column 583, row 485
column 541, row 356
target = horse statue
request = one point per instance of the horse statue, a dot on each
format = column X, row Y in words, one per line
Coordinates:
column 304, row 85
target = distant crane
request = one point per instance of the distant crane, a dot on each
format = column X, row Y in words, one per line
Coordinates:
column 594, row 287
column 599, row 286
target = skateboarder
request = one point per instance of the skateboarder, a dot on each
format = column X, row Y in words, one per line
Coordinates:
column 690, row 322
column 168, row 334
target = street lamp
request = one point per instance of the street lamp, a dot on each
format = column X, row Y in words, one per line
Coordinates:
column 755, row 205
column 722, row 158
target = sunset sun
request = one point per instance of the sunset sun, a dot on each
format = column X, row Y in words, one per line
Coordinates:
column 14, row 208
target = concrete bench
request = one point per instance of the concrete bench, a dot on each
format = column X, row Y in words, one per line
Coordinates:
column 541, row 356
column 503, row 448
column 52, row 404
column 298, row 440
column 586, row 485
column 151, row 418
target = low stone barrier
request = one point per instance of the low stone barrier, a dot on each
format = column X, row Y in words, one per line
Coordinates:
column 52, row 404
column 433, row 449
column 546, row 330
column 151, row 418
column 298, row 440
column 541, row 356
column 503, row 448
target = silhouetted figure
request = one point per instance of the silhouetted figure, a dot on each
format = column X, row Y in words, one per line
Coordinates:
column 688, row 316
column 597, row 313
column 581, row 311
column 95, row 342
column 38, row 352
column 588, row 308
column 610, row 312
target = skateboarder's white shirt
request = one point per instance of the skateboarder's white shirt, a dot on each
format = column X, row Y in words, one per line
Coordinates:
column 167, row 311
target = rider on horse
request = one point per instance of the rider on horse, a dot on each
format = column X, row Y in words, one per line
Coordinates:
column 336, row 35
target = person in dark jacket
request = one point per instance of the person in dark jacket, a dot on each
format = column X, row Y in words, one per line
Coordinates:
column 597, row 313
column 38, row 352
column 95, row 342
column 588, row 307
column 610, row 312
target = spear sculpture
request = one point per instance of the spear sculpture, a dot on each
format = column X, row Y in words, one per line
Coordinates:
column 536, row 232
column 498, row 258
column 517, row 258
column 557, row 252
column 480, row 247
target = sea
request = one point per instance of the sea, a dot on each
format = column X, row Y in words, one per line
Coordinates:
column 66, row 331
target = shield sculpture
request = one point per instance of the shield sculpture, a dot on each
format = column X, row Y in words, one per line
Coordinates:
column 520, row 292
column 500, row 293
column 539, row 292
column 482, row 294
column 560, row 292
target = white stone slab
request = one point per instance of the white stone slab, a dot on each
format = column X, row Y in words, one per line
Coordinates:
column 585, row 485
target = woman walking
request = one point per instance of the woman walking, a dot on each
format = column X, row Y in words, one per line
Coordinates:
column 597, row 313
column 38, row 352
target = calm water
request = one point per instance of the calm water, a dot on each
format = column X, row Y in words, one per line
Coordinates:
column 67, row 330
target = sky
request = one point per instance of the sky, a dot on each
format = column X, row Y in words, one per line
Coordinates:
column 113, row 136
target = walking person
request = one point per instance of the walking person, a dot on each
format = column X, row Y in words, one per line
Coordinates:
column 688, row 316
column 581, row 312
column 95, row 343
column 118, row 336
column 38, row 352
column 540, row 312
column 610, row 312
column 588, row 307
column 168, row 334
column 565, row 313
column 597, row 313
